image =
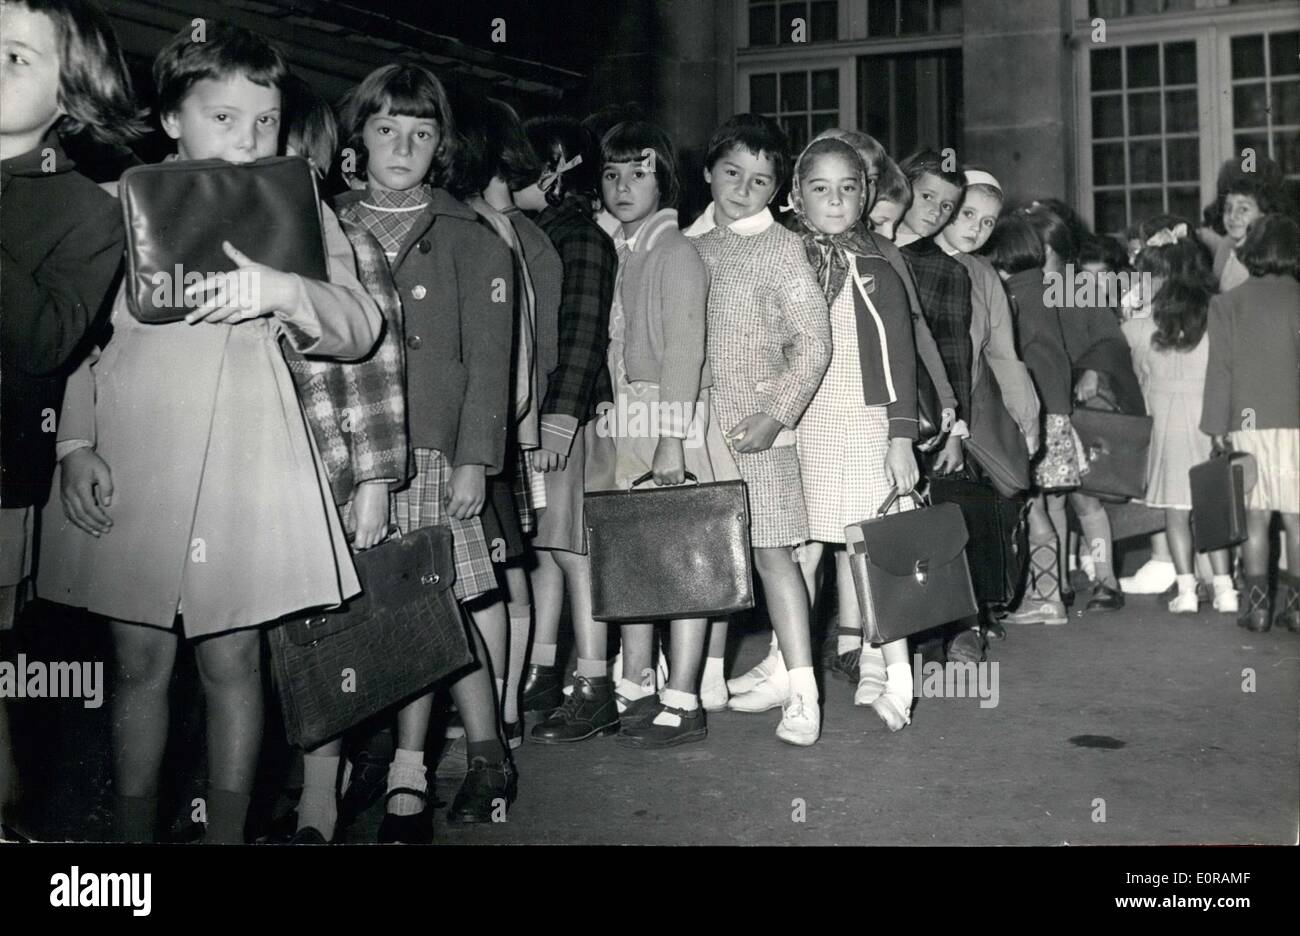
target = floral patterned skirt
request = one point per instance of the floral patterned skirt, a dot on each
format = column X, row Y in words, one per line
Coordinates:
column 1061, row 461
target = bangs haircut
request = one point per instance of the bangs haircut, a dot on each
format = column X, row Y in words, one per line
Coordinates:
column 893, row 186
column 928, row 161
column 983, row 188
column 407, row 91
column 1271, row 246
column 1266, row 191
column 759, row 136
column 624, row 144
column 559, row 139
column 94, row 84
column 490, row 142
column 830, row 146
column 226, row 52
column 1014, row 246
column 307, row 123
column 869, row 150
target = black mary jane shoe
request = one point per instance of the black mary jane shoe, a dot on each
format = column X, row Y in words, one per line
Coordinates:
column 416, row 829
column 692, row 726
column 486, row 794
column 1105, row 598
column 365, row 787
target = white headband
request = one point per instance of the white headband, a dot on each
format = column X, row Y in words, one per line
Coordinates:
column 980, row 177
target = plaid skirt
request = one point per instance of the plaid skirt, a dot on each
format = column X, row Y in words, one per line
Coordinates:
column 423, row 503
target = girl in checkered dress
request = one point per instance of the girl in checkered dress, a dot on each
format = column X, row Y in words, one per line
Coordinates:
column 855, row 439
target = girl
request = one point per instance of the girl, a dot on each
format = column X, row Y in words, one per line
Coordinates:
column 494, row 159
column 230, row 523
column 1252, row 389
column 1246, row 196
column 1017, row 253
column 769, row 343
column 1169, row 355
column 658, row 366
column 893, row 198
column 456, row 280
column 357, row 414
column 855, row 440
column 572, row 453
column 1101, row 371
column 60, row 249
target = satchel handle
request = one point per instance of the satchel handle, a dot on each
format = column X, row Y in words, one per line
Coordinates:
column 650, row 474
column 393, row 532
column 895, row 494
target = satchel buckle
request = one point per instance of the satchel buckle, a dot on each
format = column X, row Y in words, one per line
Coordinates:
column 430, row 578
column 921, row 571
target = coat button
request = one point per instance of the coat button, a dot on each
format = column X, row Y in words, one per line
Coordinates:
column 424, row 246
column 414, row 341
column 419, row 292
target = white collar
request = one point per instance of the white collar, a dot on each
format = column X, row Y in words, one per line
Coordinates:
column 745, row 227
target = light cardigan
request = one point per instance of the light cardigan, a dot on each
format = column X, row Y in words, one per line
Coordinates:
column 665, row 292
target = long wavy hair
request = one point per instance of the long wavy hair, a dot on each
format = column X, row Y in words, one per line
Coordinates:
column 1180, row 307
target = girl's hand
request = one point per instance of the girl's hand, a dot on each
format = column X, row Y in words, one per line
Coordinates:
column 466, row 492
column 370, row 514
column 547, row 461
column 669, row 465
column 900, row 465
column 1086, row 388
column 947, row 420
column 950, row 458
column 755, row 433
column 86, row 488
column 250, row 291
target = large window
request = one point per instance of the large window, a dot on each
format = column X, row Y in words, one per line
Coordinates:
column 910, row 100
column 1104, row 8
column 1145, row 133
column 803, row 102
column 1266, row 97
column 770, row 23
column 912, row 17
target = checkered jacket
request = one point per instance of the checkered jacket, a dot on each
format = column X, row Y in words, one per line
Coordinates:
column 943, row 286
column 580, row 380
column 357, row 409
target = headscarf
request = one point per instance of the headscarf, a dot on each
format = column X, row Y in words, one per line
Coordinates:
column 829, row 253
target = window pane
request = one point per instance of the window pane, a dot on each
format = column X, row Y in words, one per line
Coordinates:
column 1250, row 106
column 1286, row 150
column 796, row 129
column 916, row 16
column 1286, row 102
column 825, row 89
column 1147, row 203
column 1106, row 74
column 1185, row 203
column 1284, row 53
column 1183, row 159
column 785, row 19
column 1108, row 211
column 949, row 15
column 1144, row 161
column 1180, row 63
column 1144, row 113
column 825, row 121
column 1180, row 111
column 762, row 25
column 825, row 22
column 794, row 91
column 1247, row 56
column 1107, row 116
column 881, row 18
column 1255, row 141
column 762, row 94
column 1108, row 163
column 1143, row 66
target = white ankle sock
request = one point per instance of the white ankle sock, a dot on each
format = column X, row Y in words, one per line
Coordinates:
column 1186, row 584
column 872, row 658
column 591, row 669
column 673, row 698
column 847, row 643
column 898, row 682
column 803, row 682
column 1222, row 584
column 544, row 654
column 713, row 672
column 318, row 807
column 631, row 691
column 407, row 770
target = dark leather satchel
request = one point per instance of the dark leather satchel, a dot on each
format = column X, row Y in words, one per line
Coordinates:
column 178, row 213
column 1117, row 446
column 404, row 632
column 996, row 442
column 909, row 569
column 1219, row 488
column 667, row 553
column 998, row 544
